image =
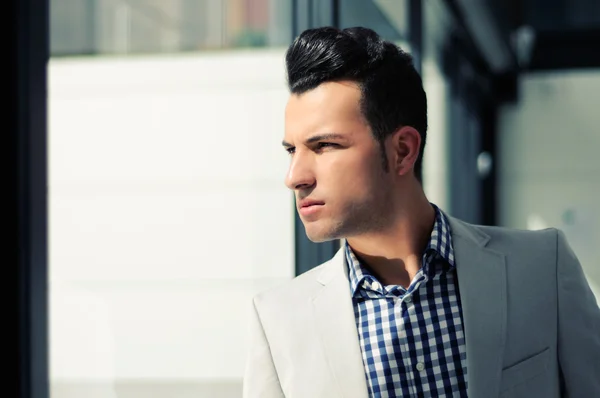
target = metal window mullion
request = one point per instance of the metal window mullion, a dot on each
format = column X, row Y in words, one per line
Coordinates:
column 26, row 214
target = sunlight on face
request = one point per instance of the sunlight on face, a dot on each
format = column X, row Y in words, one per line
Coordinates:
column 335, row 168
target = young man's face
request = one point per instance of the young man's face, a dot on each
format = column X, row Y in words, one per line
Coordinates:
column 336, row 169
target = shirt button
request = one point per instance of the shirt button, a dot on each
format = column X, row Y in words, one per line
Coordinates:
column 420, row 366
column 408, row 299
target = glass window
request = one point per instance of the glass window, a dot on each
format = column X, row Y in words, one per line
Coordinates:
column 167, row 208
column 388, row 18
column 161, row 26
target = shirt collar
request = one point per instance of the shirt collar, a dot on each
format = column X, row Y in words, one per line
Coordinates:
column 440, row 246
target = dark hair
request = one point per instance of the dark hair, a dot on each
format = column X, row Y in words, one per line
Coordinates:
column 392, row 90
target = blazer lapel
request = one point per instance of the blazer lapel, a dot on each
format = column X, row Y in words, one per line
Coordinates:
column 482, row 283
column 335, row 322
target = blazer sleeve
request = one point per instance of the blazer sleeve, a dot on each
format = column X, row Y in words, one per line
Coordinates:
column 578, row 325
column 260, row 378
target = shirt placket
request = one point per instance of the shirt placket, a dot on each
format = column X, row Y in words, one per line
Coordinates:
column 408, row 314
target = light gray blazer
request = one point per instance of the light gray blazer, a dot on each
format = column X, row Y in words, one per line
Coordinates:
column 532, row 324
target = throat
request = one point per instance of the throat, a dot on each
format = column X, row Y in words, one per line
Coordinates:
column 393, row 271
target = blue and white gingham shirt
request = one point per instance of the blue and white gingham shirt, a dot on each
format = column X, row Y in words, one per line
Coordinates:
column 412, row 341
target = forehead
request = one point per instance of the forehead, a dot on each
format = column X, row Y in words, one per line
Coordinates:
column 330, row 106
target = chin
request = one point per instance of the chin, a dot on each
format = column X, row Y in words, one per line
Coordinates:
column 319, row 234
column 319, row 239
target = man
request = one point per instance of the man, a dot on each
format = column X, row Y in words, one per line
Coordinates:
column 415, row 303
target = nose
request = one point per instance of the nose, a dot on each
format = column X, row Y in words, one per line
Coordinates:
column 300, row 174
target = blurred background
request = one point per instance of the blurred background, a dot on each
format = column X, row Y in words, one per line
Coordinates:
column 166, row 205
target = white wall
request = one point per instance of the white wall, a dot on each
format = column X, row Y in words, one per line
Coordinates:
column 549, row 172
column 167, row 214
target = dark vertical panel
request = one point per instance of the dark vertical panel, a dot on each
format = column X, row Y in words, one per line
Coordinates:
column 450, row 65
column 487, row 91
column 25, row 217
column 335, row 13
column 489, row 192
column 415, row 35
column 456, row 122
column 464, row 120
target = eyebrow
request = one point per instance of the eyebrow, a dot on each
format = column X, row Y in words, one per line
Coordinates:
column 316, row 138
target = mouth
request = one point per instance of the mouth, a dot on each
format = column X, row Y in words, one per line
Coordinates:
column 310, row 207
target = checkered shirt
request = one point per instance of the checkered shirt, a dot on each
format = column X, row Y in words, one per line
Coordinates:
column 412, row 341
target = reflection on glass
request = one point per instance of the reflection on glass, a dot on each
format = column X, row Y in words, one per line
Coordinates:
column 166, row 26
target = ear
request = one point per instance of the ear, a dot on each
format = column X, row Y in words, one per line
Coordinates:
column 405, row 147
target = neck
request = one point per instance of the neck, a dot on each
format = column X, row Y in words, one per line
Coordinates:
column 394, row 254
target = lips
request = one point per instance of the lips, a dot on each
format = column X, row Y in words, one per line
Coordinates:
column 310, row 202
column 309, row 209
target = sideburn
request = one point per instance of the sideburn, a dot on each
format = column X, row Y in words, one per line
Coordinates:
column 384, row 158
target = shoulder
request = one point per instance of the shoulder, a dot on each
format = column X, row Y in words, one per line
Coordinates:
column 543, row 239
column 526, row 259
column 509, row 240
column 296, row 291
column 528, row 251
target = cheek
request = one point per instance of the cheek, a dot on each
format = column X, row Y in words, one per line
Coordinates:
column 358, row 176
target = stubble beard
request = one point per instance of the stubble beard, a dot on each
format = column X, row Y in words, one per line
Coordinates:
column 370, row 214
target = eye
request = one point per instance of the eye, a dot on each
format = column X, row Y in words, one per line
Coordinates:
column 290, row 150
column 322, row 145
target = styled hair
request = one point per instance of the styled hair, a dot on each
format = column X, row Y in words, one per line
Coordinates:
column 392, row 94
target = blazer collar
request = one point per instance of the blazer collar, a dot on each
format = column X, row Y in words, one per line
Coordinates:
column 336, row 326
column 334, row 268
